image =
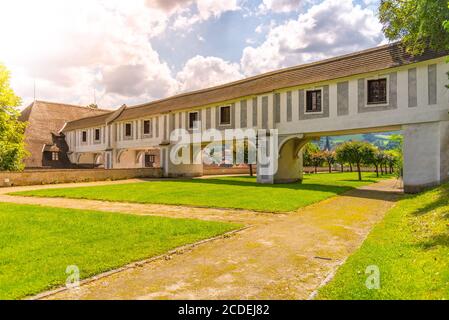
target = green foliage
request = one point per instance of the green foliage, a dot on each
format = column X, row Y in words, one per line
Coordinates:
column 12, row 146
column 308, row 150
column 378, row 160
column 38, row 243
column 357, row 153
column 417, row 23
column 410, row 247
column 223, row 192
column 330, row 157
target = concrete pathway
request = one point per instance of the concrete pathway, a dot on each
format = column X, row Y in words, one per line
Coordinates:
column 283, row 256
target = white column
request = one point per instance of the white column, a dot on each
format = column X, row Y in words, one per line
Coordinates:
column 426, row 159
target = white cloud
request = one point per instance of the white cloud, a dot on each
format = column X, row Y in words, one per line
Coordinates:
column 167, row 5
column 205, row 9
column 202, row 72
column 71, row 47
column 330, row 28
column 209, row 8
column 280, row 5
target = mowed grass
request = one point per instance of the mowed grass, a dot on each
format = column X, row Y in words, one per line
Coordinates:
column 38, row 243
column 225, row 192
column 410, row 248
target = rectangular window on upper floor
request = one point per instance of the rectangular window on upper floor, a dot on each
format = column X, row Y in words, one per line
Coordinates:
column 84, row 136
column 314, row 101
column 97, row 135
column 55, row 156
column 377, row 91
column 128, row 130
column 225, row 115
column 147, row 127
column 193, row 119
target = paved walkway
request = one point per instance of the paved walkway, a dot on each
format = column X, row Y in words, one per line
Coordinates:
column 280, row 257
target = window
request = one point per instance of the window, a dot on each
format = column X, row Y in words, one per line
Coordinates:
column 193, row 120
column 97, row 134
column 146, row 127
column 377, row 91
column 128, row 129
column 313, row 101
column 55, row 156
column 84, row 136
column 225, row 115
column 150, row 160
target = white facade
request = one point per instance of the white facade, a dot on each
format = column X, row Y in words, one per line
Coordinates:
column 417, row 95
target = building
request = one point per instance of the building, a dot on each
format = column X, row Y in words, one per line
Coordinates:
column 43, row 139
column 380, row 89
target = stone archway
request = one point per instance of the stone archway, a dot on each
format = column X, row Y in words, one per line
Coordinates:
column 99, row 159
column 290, row 161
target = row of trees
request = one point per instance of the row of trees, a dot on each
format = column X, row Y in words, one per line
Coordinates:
column 354, row 154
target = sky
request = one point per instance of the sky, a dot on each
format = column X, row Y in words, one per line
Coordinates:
column 119, row 52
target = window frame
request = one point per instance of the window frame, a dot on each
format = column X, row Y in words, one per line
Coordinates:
column 307, row 91
column 230, row 116
column 150, row 127
column 84, row 136
column 130, row 130
column 152, row 160
column 99, row 134
column 387, row 91
column 54, row 156
column 191, row 126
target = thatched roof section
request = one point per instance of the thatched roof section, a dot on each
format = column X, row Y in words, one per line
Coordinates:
column 44, row 118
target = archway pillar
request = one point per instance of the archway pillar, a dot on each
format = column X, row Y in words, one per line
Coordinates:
column 426, row 155
column 173, row 170
column 290, row 160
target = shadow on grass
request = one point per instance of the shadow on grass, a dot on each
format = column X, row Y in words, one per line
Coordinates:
column 441, row 239
column 390, row 196
column 440, row 201
column 246, row 181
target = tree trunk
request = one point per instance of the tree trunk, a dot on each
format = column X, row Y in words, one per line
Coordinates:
column 316, row 169
column 377, row 170
column 342, row 167
column 360, row 171
column 381, row 170
column 251, row 170
column 330, row 168
column 350, row 167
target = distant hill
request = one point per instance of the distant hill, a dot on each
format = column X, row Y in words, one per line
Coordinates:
column 381, row 140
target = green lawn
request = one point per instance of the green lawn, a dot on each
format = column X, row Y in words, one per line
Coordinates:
column 226, row 192
column 411, row 249
column 38, row 243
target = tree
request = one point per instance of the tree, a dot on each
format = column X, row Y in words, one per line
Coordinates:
column 248, row 150
column 358, row 153
column 419, row 24
column 309, row 149
column 317, row 159
column 377, row 160
column 393, row 159
column 330, row 158
column 398, row 155
column 340, row 160
column 12, row 145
